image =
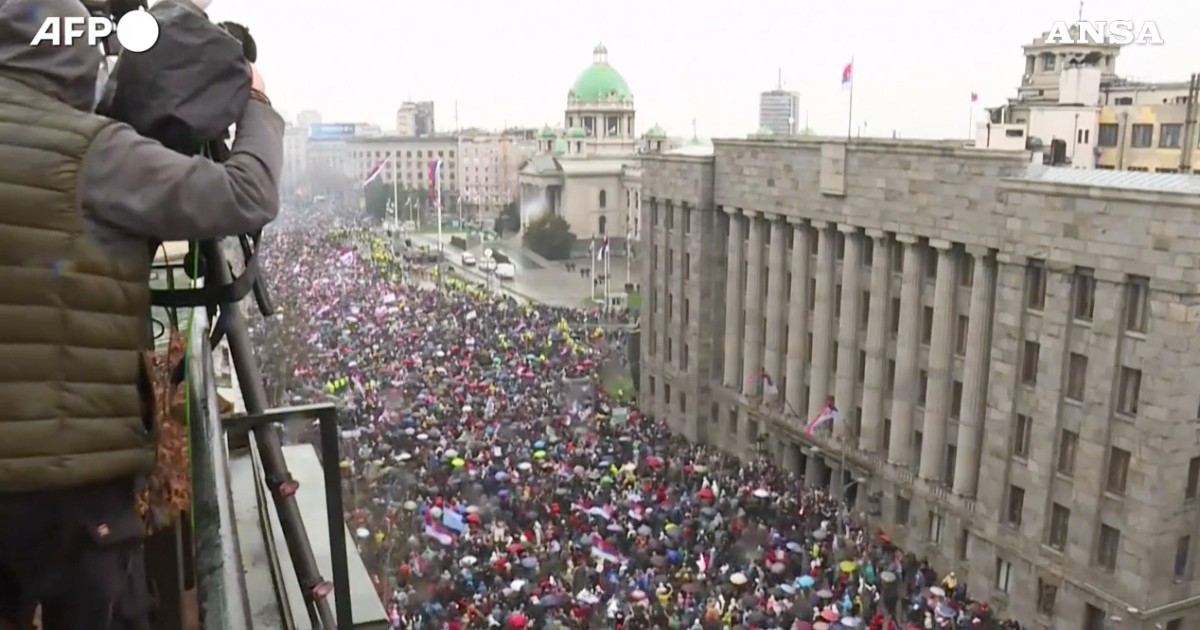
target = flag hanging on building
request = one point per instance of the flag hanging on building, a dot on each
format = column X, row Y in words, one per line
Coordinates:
column 375, row 172
column 848, row 74
column 435, row 180
column 766, row 384
column 974, row 97
column 827, row 413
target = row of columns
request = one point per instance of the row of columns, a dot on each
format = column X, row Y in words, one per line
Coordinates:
column 750, row 350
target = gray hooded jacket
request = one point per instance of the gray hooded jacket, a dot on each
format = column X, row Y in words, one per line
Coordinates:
column 133, row 189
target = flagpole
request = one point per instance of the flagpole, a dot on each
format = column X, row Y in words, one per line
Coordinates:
column 437, row 181
column 607, row 270
column 395, row 196
column 971, row 123
column 592, row 272
column 850, row 110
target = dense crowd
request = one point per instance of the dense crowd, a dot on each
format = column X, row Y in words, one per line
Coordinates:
column 498, row 480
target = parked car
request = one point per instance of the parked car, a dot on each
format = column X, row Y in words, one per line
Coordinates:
column 468, row 259
column 506, row 271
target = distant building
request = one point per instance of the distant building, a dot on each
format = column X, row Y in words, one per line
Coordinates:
column 588, row 174
column 488, row 167
column 1073, row 109
column 295, row 159
column 777, row 111
column 308, row 118
column 415, row 119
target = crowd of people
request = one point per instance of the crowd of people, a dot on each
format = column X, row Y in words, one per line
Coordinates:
column 496, row 479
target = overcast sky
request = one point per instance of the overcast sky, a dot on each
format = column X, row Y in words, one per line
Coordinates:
column 512, row 62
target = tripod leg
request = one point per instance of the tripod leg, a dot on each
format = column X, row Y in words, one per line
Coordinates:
column 279, row 480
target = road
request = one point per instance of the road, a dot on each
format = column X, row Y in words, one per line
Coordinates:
column 533, row 282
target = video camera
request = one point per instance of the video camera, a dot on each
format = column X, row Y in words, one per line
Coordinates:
column 186, row 93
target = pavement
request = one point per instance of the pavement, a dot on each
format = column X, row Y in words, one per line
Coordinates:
column 545, row 283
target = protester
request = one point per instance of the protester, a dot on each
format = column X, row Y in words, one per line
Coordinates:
column 495, row 482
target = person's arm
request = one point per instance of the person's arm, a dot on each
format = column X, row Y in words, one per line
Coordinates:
column 137, row 186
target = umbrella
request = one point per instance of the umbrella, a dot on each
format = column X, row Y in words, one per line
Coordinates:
column 468, row 561
column 762, row 493
column 937, row 591
column 829, row 615
column 805, row 581
column 848, row 566
column 887, row 577
column 362, row 533
column 825, row 594
column 517, row 620
column 738, row 579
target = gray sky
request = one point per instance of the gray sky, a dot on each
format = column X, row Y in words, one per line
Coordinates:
column 512, row 62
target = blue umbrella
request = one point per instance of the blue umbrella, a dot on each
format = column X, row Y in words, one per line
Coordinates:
column 805, row 581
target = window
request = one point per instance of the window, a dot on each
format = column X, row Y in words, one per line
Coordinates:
column 1004, row 570
column 1060, row 524
column 966, row 270
column 1174, row 624
column 891, row 375
column 1094, row 618
column 1131, row 385
column 1067, row 444
column 867, row 254
column 1021, row 436
column 898, row 257
column 921, row 393
column 927, row 325
column 1076, row 376
column 1137, row 297
column 1029, row 362
column 839, row 246
column 864, row 310
column 1083, row 136
column 960, row 335
column 948, row 469
column 1193, row 479
column 1141, row 136
column 964, row 544
column 1107, row 135
column 1085, row 293
column 956, row 397
column 1016, row 505
column 1035, row 285
column 902, row 507
column 1047, row 597
column 1183, row 549
column 931, row 258
column 1048, row 62
column 1108, row 547
column 895, row 313
column 837, row 301
column 935, row 527
column 812, row 294
column 862, row 366
column 1118, row 470
column 1170, row 135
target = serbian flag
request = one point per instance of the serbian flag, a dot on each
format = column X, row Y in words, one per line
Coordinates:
column 974, row 97
column 848, row 74
column 704, row 563
column 437, row 531
column 375, row 172
column 827, row 413
column 602, row 253
column 766, row 384
column 605, row 551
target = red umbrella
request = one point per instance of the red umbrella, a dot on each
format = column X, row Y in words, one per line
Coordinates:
column 654, row 462
column 705, row 494
column 518, row 620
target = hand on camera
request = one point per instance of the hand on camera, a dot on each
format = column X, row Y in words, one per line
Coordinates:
column 256, row 81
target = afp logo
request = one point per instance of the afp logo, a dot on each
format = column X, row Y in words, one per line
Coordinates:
column 136, row 32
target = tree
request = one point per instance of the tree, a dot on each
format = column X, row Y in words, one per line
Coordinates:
column 510, row 218
column 549, row 236
column 377, row 197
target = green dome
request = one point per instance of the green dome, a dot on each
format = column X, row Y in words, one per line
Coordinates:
column 560, row 146
column 656, row 132
column 576, row 132
column 765, row 131
column 600, row 82
column 547, row 132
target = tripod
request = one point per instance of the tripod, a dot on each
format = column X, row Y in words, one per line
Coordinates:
column 221, row 294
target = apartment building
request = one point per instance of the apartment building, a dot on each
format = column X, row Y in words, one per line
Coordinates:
column 1009, row 346
column 415, row 119
column 489, row 163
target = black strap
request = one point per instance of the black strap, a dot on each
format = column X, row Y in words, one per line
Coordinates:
column 231, row 293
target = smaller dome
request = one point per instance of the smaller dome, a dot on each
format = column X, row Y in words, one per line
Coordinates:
column 765, row 131
column 547, row 132
column 576, row 132
column 656, row 132
column 560, row 147
column 600, row 49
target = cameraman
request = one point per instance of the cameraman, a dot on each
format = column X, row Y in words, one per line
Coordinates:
column 81, row 198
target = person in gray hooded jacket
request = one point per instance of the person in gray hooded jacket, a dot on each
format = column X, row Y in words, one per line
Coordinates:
column 81, row 199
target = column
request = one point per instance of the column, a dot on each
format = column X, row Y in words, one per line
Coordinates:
column 871, row 438
column 733, row 309
column 975, row 373
column 797, row 341
column 823, row 332
column 847, row 359
column 776, row 310
column 908, row 350
column 752, row 348
column 941, row 366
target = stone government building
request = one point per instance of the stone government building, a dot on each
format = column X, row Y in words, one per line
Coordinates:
column 1013, row 349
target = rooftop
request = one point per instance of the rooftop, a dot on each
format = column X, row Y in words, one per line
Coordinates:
column 1123, row 180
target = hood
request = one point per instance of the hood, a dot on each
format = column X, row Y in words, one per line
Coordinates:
column 67, row 73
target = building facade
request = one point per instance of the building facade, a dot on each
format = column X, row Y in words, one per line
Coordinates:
column 295, row 159
column 409, row 166
column 778, row 111
column 415, row 119
column 1071, row 96
column 581, row 173
column 488, row 169
column 1009, row 346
